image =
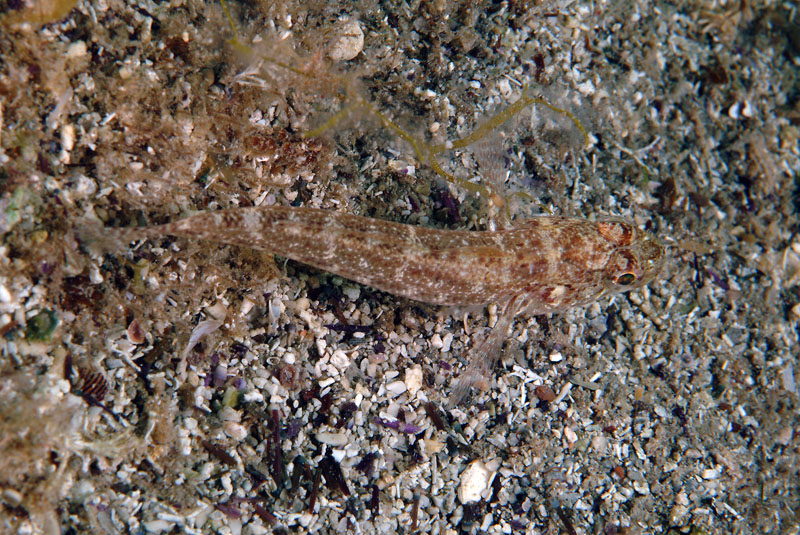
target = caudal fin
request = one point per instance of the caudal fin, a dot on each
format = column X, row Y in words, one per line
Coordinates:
column 98, row 239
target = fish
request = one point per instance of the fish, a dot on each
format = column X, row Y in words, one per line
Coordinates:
column 539, row 265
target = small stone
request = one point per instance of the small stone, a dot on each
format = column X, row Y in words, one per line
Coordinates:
column 710, row 473
column 68, row 137
column 788, row 379
column 677, row 513
column 431, row 446
column 235, row 430
column 332, row 439
column 325, row 383
column 599, row 444
column 303, row 303
column 396, row 388
column 748, row 110
column 413, row 379
column 348, row 43
column 135, row 332
column 474, row 480
column 619, row 472
column 545, row 393
column 570, row 435
column 504, row 87
column 12, row 497
column 156, row 526
column 246, row 307
column 352, row 292
column 340, row 360
column 556, row 357
column 76, row 50
column 785, row 436
column 5, row 295
column 40, row 327
column 448, row 339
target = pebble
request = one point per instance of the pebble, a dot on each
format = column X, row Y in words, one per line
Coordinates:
column 305, row 519
column 545, row 393
column 352, row 292
column 396, row 388
column 5, row 295
column 77, row 50
column 340, row 360
column 413, row 380
column 710, row 473
column 303, row 303
column 504, row 87
column 436, row 341
column 474, row 480
column 332, row 439
column 135, row 332
column 599, row 444
column 787, row 374
column 12, row 497
column 641, row 487
column 348, row 43
column 68, row 137
column 785, row 436
column 235, row 430
column 156, row 526
column 325, row 383
column 677, row 513
column 448, row 339
column 570, row 435
column 432, row 446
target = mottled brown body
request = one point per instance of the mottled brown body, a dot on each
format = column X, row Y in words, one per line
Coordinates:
column 554, row 262
column 538, row 265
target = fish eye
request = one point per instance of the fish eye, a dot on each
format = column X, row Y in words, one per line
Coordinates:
column 625, row 279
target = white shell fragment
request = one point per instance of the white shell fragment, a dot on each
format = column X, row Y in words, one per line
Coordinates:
column 348, row 42
column 235, row 430
column 413, row 379
column 332, row 439
column 396, row 388
column 474, row 480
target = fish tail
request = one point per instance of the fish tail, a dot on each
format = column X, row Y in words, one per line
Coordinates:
column 99, row 239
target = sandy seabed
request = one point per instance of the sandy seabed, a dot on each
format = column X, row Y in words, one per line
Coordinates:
column 183, row 386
